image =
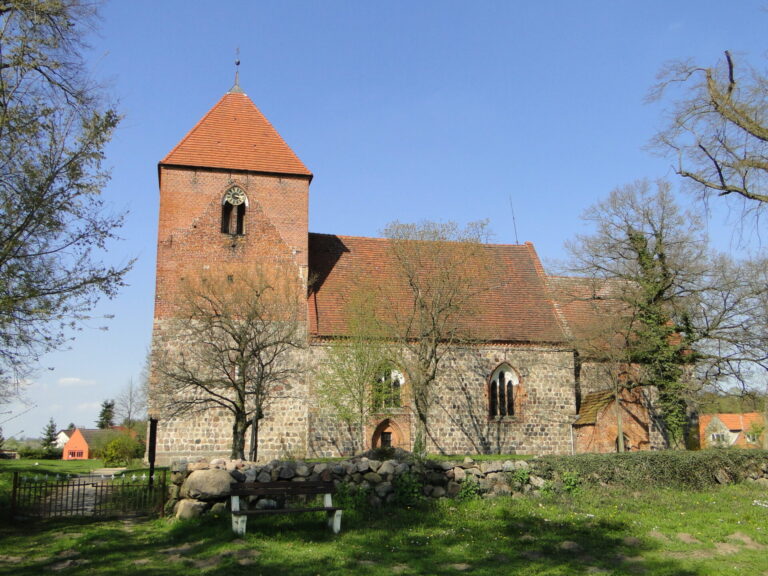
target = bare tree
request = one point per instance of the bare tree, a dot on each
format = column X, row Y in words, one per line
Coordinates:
column 693, row 318
column 718, row 128
column 231, row 347
column 131, row 405
column 439, row 269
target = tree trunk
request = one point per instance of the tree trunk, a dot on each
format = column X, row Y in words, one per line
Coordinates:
column 619, row 424
column 254, row 453
column 238, row 437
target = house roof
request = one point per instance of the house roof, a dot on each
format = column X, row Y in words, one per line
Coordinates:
column 591, row 406
column 515, row 308
column 235, row 135
column 736, row 423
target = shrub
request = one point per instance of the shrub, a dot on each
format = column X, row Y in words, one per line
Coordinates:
column 469, row 490
column 408, row 490
column 671, row 468
column 120, row 451
column 34, row 453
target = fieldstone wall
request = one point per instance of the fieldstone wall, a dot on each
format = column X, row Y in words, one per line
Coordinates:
column 207, row 433
column 200, row 486
column 459, row 421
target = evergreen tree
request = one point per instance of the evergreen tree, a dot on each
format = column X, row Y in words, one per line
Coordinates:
column 107, row 415
column 48, row 439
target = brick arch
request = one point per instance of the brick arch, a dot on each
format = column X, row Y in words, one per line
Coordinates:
column 388, row 426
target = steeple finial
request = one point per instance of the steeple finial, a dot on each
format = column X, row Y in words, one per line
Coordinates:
column 236, row 88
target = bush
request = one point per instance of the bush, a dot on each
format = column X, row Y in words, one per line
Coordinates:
column 33, row 453
column 121, row 450
column 408, row 490
column 671, row 468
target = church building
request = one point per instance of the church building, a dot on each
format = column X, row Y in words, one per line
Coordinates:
column 233, row 193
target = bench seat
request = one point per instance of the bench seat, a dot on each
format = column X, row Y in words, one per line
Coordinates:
column 283, row 490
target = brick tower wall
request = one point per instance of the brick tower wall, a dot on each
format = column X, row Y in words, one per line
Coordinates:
column 190, row 245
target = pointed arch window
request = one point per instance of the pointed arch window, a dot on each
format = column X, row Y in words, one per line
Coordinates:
column 387, row 389
column 503, row 392
column 233, row 207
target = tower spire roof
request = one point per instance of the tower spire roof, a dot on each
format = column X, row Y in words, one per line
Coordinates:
column 235, row 135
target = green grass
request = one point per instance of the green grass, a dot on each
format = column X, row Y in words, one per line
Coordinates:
column 718, row 531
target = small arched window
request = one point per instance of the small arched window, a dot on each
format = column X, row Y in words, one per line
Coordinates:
column 233, row 206
column 387, row 389
column 503, row 392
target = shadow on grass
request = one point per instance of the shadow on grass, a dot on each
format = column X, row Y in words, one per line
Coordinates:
column 432, row 540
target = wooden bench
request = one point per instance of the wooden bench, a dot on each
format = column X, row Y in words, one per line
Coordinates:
column 282, row 490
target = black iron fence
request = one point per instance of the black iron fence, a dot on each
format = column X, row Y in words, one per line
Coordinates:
column 56, row 496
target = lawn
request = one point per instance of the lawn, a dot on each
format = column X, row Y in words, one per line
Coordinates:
column 719, row 531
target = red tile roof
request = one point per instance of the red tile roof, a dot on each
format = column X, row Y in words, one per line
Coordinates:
column 733, row 422
column 590, row 309
column 235, row 135
column 517, row 308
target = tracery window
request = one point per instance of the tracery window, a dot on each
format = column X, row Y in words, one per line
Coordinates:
column 387, row 389
column 503, row 390
column 233, row 206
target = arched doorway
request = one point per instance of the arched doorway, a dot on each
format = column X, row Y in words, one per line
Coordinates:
column 387, row 435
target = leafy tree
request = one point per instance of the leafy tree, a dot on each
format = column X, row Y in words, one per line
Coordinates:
column 442, row 267
column 131, row 405
column 2, row 438
column 240, row 333
column 106, row 415
column 48, row 439
column 718, row 129
column 54, row 230
column 347, row 376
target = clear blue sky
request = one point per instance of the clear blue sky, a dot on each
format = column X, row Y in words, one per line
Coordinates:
column 403, row 110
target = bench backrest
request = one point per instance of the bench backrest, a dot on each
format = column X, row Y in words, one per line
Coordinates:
column 282, row 488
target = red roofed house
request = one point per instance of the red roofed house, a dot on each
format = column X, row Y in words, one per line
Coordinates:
column 232, row 193
column 722, row 430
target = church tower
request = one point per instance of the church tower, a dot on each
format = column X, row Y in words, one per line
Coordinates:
column 233, row 195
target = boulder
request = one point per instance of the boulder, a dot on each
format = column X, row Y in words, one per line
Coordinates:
column 237, row 475
column 264, row 476
column 372, row 478
column 384, row 489
column 219, row 509
column 207, row 485
column 186, row 509
column 387, row 468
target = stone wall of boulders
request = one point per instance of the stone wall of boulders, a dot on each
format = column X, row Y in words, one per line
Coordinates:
column 200, row 486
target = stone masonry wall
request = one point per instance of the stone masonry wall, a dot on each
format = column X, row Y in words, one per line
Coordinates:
column 459, row 422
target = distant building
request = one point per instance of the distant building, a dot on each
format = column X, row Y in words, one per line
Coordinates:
column 722, row 430
column 62, row 438
column 83, row 442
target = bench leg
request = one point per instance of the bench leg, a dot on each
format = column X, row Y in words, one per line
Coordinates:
column 238, row 524
column 334, row 521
